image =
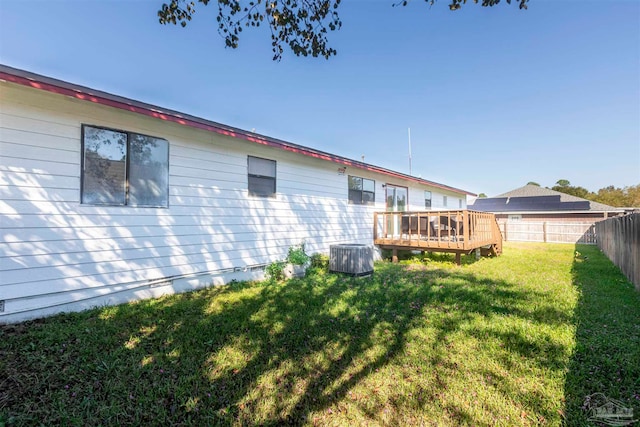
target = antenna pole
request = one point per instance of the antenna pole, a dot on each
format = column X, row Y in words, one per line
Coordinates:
column 409, row 151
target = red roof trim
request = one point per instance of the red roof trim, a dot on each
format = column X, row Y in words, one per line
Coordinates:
column 78, row 92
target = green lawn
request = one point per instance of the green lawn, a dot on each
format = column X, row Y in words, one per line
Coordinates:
column 515, row 340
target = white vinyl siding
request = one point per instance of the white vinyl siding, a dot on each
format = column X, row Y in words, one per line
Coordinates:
column 55, row 250
column 417, row 198
column 58, row 254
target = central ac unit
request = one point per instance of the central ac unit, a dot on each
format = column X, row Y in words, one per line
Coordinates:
column 355, row 259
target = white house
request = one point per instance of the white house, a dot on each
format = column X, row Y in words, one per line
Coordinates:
column 105, row 199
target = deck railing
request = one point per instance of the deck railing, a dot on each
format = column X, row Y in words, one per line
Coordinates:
column 459, row 230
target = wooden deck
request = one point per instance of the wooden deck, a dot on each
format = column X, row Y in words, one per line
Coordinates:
column 456, row 231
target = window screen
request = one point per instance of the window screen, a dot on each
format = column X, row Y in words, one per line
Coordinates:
column 262, row 177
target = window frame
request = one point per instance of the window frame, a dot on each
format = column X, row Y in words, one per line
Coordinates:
column 361, row 200
column 252, row 192
column 127, row 167
column 444, row 201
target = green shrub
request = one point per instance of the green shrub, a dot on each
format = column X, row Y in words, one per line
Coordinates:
column 297, row 255
column 319, row 261
column 275, row 270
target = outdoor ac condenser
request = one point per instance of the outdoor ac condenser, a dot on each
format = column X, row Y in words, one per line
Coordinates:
column 355, row 259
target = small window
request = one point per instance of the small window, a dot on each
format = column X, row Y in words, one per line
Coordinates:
column 459, row 203
column 444, row 201
column 123, row 168
column 427, row 199
column 362, row 191
column 262, row 177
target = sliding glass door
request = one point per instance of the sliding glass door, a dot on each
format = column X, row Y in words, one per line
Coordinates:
column 397, row 201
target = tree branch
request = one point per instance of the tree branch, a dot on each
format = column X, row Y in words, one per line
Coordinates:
column 303, row 25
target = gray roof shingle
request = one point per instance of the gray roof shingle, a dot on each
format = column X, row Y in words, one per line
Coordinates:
column 535, row 198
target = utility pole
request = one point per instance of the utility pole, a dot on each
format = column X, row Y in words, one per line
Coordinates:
column 409, row 151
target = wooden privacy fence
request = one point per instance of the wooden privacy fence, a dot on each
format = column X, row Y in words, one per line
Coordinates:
column 548, row 231
column 619, row 239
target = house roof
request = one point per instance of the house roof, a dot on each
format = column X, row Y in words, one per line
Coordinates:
column 532, row 198
column 61, row 87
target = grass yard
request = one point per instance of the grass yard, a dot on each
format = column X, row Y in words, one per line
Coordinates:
column 516, row 340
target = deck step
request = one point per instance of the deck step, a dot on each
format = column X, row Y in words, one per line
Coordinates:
column 491, row 250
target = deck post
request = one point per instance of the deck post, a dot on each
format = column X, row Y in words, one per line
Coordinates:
column 394, row 255
column 466, row 225
column 478, row 254
column 375, row 226
column 385, row 220
column 458, row 261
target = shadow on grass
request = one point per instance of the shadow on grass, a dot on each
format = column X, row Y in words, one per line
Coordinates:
column 273, row 354
column 606, row 358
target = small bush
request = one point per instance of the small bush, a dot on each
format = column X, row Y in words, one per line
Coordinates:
column 275, row 270
column 319, row 261
column 297, row 255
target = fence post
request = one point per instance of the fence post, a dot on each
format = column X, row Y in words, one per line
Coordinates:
column 505, row 231
column 544, row 231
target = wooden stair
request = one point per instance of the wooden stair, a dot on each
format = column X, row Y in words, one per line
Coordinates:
column 497, row 246
column 495, row 249
column 491, row 250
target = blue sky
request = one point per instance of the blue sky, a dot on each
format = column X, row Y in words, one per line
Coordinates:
column 494, row 97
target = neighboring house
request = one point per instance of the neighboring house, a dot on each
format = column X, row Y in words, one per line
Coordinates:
column 104, row 199
column 533, row 213
column 534, row 203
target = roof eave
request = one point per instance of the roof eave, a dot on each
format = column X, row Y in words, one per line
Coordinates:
column 60, row 87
